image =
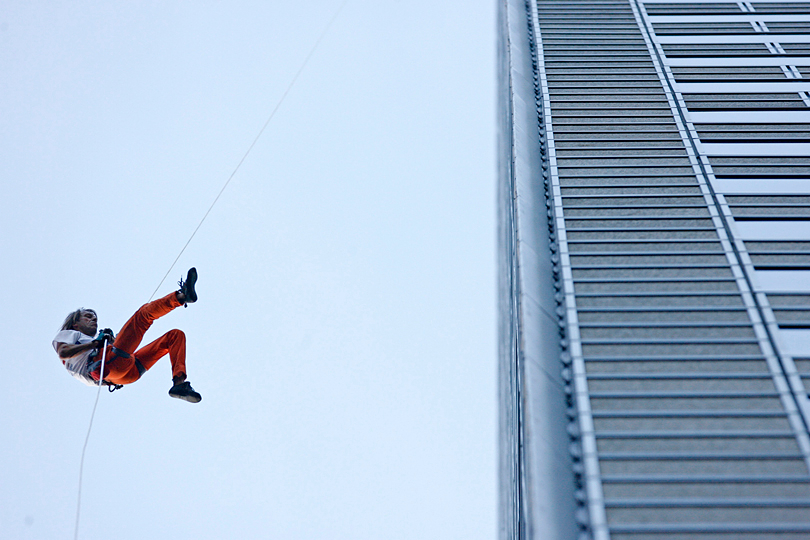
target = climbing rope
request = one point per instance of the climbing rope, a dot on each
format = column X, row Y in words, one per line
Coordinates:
column 255, row 140
column 87, row 438
column 221, row 191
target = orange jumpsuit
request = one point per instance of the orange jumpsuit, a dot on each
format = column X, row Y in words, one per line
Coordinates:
column 120, row 369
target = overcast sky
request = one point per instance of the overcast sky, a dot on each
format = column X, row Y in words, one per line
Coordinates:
column 344, row 340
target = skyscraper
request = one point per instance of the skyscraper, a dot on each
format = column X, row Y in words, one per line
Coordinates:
column 654, row 212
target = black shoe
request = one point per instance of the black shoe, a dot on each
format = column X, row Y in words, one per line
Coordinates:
column 187, row 286
column 185, row 392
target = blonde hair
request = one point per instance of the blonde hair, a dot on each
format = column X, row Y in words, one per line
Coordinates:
column 74, row 317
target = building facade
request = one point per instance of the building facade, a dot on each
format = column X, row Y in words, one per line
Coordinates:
column 654, row 269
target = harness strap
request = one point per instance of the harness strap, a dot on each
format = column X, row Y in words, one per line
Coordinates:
column 140, row 367
column 93, row 366
column 124, row 354
column 121, row 354
column 118, row 352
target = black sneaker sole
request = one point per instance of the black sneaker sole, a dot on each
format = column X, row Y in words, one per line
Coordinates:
column 188, row 286
column 191, row 398
column 185, row 392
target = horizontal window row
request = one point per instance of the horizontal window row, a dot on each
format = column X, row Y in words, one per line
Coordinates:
column 713, row 28
column 631, row 189
column 712, row 8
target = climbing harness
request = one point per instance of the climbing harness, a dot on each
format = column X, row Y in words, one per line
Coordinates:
column 84, row 371
column 120, row 353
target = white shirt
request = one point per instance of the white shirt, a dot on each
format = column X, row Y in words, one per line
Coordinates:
column 75, row 364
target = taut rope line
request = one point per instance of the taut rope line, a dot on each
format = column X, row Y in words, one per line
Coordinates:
column 87, row 438
column 272, row 114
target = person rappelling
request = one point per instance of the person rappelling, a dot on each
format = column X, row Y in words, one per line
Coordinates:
column 81, row 349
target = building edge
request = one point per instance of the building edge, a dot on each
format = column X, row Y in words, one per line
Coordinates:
column 536, row 468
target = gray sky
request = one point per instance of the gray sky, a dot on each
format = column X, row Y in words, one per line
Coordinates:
column 344, row 341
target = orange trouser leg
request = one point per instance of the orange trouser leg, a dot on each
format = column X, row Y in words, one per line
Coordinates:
column 122, row 370
column 132, row 333
column 172, row 342
column 118, row 370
